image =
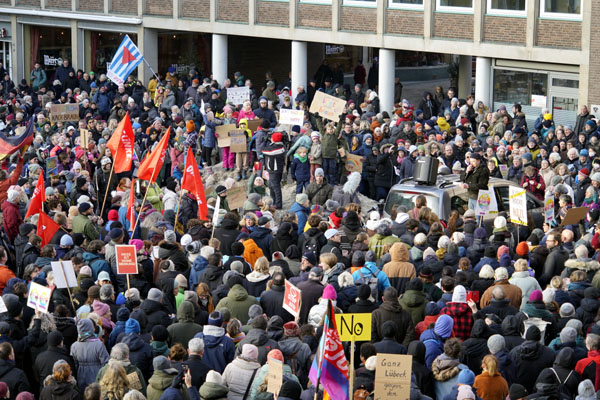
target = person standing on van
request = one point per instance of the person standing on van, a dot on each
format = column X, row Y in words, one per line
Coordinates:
column 475, row 178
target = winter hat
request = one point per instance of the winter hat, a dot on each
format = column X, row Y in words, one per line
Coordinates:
column 132, row 326
column 567, row 310
column 568, row 335
column 291, row 329
column 160, row 333
column 500, row 222
column 364, row 292
column 496, row 343
column 161, row 363
column 501, row 274
column 55, row 338
column 415, row 284
column 331, row 205
column 522, row 249
column 207, row 251
column 319, row 172
column 290, row 390
column 370, row 256
column 432, row 308
column 250, row 352
column 533, row 333
column 465, row 392
column 214, row 377
column 586, row 390
column 329, row 293
column 505, row 261
column 301, row 198
column 215, row 318
column 502, row 250
column 155, row 294
column 358, row 259
column 429, row 252
column 13, row 305
column 181, row 281
column 466, row 376
column 479, row 233
column 170, row 236
column 536, row 295
column 517, row 391
column 100, row 308
column 443, row 242
column 443, row 326
column 459, row 295
column 489, row 252
column 123, row 314
column 186, row 239
column 576, row 324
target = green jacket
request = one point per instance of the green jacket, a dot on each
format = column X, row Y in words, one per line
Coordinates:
column 378, row 241
column 477, row 180
column 129, row 369
column 159, row 382
column 153, row 197
column 185, row 328
column 213, row 391
column 238, row 302
column 414, row 302
column 330, row 143
column 262, row 190
column 82, row 224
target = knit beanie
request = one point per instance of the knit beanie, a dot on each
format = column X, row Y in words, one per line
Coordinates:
column 522, row 249
column 466, row 377
column 533, row 333
column 568, row 335
column 55, row 338
column 132, row 326
column 432, row 308
column 443, row 326
column 496, row 343
column 536, row 295
column 329, row 293
column 517, row 391
column 567, row 310
column 459, row 295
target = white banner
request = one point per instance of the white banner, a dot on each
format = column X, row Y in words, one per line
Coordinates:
column 238, row 95
column 517, row 200
column 291, row 117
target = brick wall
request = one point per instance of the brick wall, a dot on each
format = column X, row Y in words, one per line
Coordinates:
column 124, row 7
column 198, row 9
column 64, row 4
column 453, row 26
column 561, row 34
column 159, row 7
column 232, row 10
column 504, row 29
column 314, row 16
column 594, row 74
column 404, row 22
column 272, row 13
column 358, row 19
column 90, row 5
column 31, row 3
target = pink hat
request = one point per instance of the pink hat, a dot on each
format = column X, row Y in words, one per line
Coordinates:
column 275, row 354
column 502, row 250
column 137, row 243
column 329, row 293
column 227, row 109
column 536, row 295
column 78, row 153
column 250, row 351
column 99, row 307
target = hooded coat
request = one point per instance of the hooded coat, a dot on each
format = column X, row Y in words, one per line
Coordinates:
column 238, row 302
column 392, row 310
column 227, row 233
column 140, row 353
column 510, row 331
column 445, row 373
column 89, row 354
column 423, row 375
column 296, row 349
column 260, row 339
column 237, row 376
column 399, row 271
column 59, row 391
column 218, row 348
column 156, row 314
column 414, row 301
column 185, row 328
column 159, row 382
column 475, row 348
column 529, row 358
column 564, row 370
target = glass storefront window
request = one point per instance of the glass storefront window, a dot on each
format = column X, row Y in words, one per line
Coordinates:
column 518, row 86
column 103, row 46
column 49, row 46
column 183, row 51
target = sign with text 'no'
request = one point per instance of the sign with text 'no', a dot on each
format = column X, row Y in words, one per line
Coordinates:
column 354, row 327
column 292, row 299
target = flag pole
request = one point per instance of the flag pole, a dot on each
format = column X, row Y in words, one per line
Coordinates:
column 108, row 185
column 180, row 195
column 143, row 201
column 351, row 369
column 67, row 282
column 151, row 70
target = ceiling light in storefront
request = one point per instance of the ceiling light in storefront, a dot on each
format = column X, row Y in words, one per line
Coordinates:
column 174, row 36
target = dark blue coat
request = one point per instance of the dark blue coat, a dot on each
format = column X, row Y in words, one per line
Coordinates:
column 300, row 170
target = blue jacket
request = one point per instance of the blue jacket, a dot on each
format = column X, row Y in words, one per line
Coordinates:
column 486, row 260
column 302, row 213
column 96, row 263
column 219, row 349
column 200, row 263
column 103, row 102
column 127, row 225
column 370, row 268
column 209, row 133
column 433, row 346
column 140, row 353
column 300, row 170
column 263, row 238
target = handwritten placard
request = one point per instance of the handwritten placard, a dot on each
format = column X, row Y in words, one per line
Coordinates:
column 274, row 376
column 517, row 201
column 64, row 112
column 237, row 140
column 327, row 106
column 236, row 197
column 291, row 117
column 354, row 326
column 238, row 95
column 392, row 377
column 354, row 163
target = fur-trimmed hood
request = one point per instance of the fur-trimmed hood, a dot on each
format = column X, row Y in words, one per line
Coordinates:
column 584, row 264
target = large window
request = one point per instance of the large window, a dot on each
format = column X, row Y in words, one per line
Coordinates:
column 455, row 5
column 563, row 9
column 518, row 86
column 507, row 7
column 407, row 4
column 361, row 3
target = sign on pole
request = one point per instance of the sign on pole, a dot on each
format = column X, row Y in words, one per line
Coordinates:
column 292, row 299
column 59, row 277
column 517, row 201
column 354, row 327
column 291, row 117
column 392, row 377
column 238, row 95
column 549, row 209
column 39, row 297
column 126, row 259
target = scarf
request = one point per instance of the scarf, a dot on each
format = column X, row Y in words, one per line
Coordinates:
column 302, row 159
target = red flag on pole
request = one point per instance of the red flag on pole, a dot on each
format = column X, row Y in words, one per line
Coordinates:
column 131, row 205
column 46, row 228
column 150, row 167
column 121, row 145
column 38, row 198
column 192, row 182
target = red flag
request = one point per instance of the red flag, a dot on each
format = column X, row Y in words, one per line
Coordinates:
column 151, row 165
column 38, row 197
column 192, row 182
column 46, row 228
column 131, row 205
column 121, row 145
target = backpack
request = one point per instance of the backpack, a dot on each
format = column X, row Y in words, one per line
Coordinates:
column 562, row 387
column 370, row 280
column 311, row 244
column 294, row 364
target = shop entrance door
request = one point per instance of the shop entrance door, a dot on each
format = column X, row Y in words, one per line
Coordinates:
column 564, row 102
column 5, row 56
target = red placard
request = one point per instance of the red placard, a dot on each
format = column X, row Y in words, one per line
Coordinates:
column 126, row 259
column 473, row 295
column 292, row 299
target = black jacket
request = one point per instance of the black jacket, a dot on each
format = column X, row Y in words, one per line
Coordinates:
column 392, row 310
column 198, row 369
column 554, row 264
column 156, row 314
column 227, row 233
column 15, row 379
column 60, row 391
column 274, row 154
column 385, row 176
column 530, row 358
column 477, row 179
column 501, row 308
column 475, row 348
column 44, row 362
column 271, row 301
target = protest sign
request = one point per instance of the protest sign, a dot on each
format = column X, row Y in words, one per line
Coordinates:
column 486, row 203
column 237, row 140
column 274, row 376
column 354, row 326
column 52, row 165
column 126, row 259
column 3, row 308
column 517, row 201
column 238, row 95
column 62, row 270
column 84, row 138
column 392, row 377
column 503, row 170
column 222, row 131
column 327, row 106
column 291, row 117
column 64, row 112
column 291, row 299
column 538, row 101
column 236, row 197
column 254, row 123
column 549, row 209
column 39, row 297
column 574, row 215
column 354, row 163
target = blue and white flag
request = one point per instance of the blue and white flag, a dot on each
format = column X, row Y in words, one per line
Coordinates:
column 126, row 59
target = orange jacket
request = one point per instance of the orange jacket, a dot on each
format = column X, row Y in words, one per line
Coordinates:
column 5, row 275
column 251, row 252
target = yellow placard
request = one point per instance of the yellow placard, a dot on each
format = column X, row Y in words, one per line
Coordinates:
column 354, row 327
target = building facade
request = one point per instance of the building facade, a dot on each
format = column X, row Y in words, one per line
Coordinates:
column 534, row 52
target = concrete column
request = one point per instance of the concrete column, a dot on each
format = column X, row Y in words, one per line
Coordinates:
column 465, row 72
column 219, row 58
column 148, row 45
column 483, row 75
column 533, row 10
column 298, row 67
column 17, row 50
column 387, row 72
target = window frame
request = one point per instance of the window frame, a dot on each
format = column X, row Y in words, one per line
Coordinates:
column 561, row 16
column 454, row 9
column 317, row 2
column 406, row 6
column 360, row 3
column 502, row 12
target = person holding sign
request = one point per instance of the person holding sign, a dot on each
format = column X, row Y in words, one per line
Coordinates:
column 533, row 182
column 475, row 177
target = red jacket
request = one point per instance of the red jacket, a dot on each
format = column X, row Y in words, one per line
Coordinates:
column 12, row 219
column 12, row 180
column 588, row 368
column 534, row 184
column 5, row 275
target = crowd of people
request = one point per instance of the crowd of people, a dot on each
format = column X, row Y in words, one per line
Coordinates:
column 511, row 312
